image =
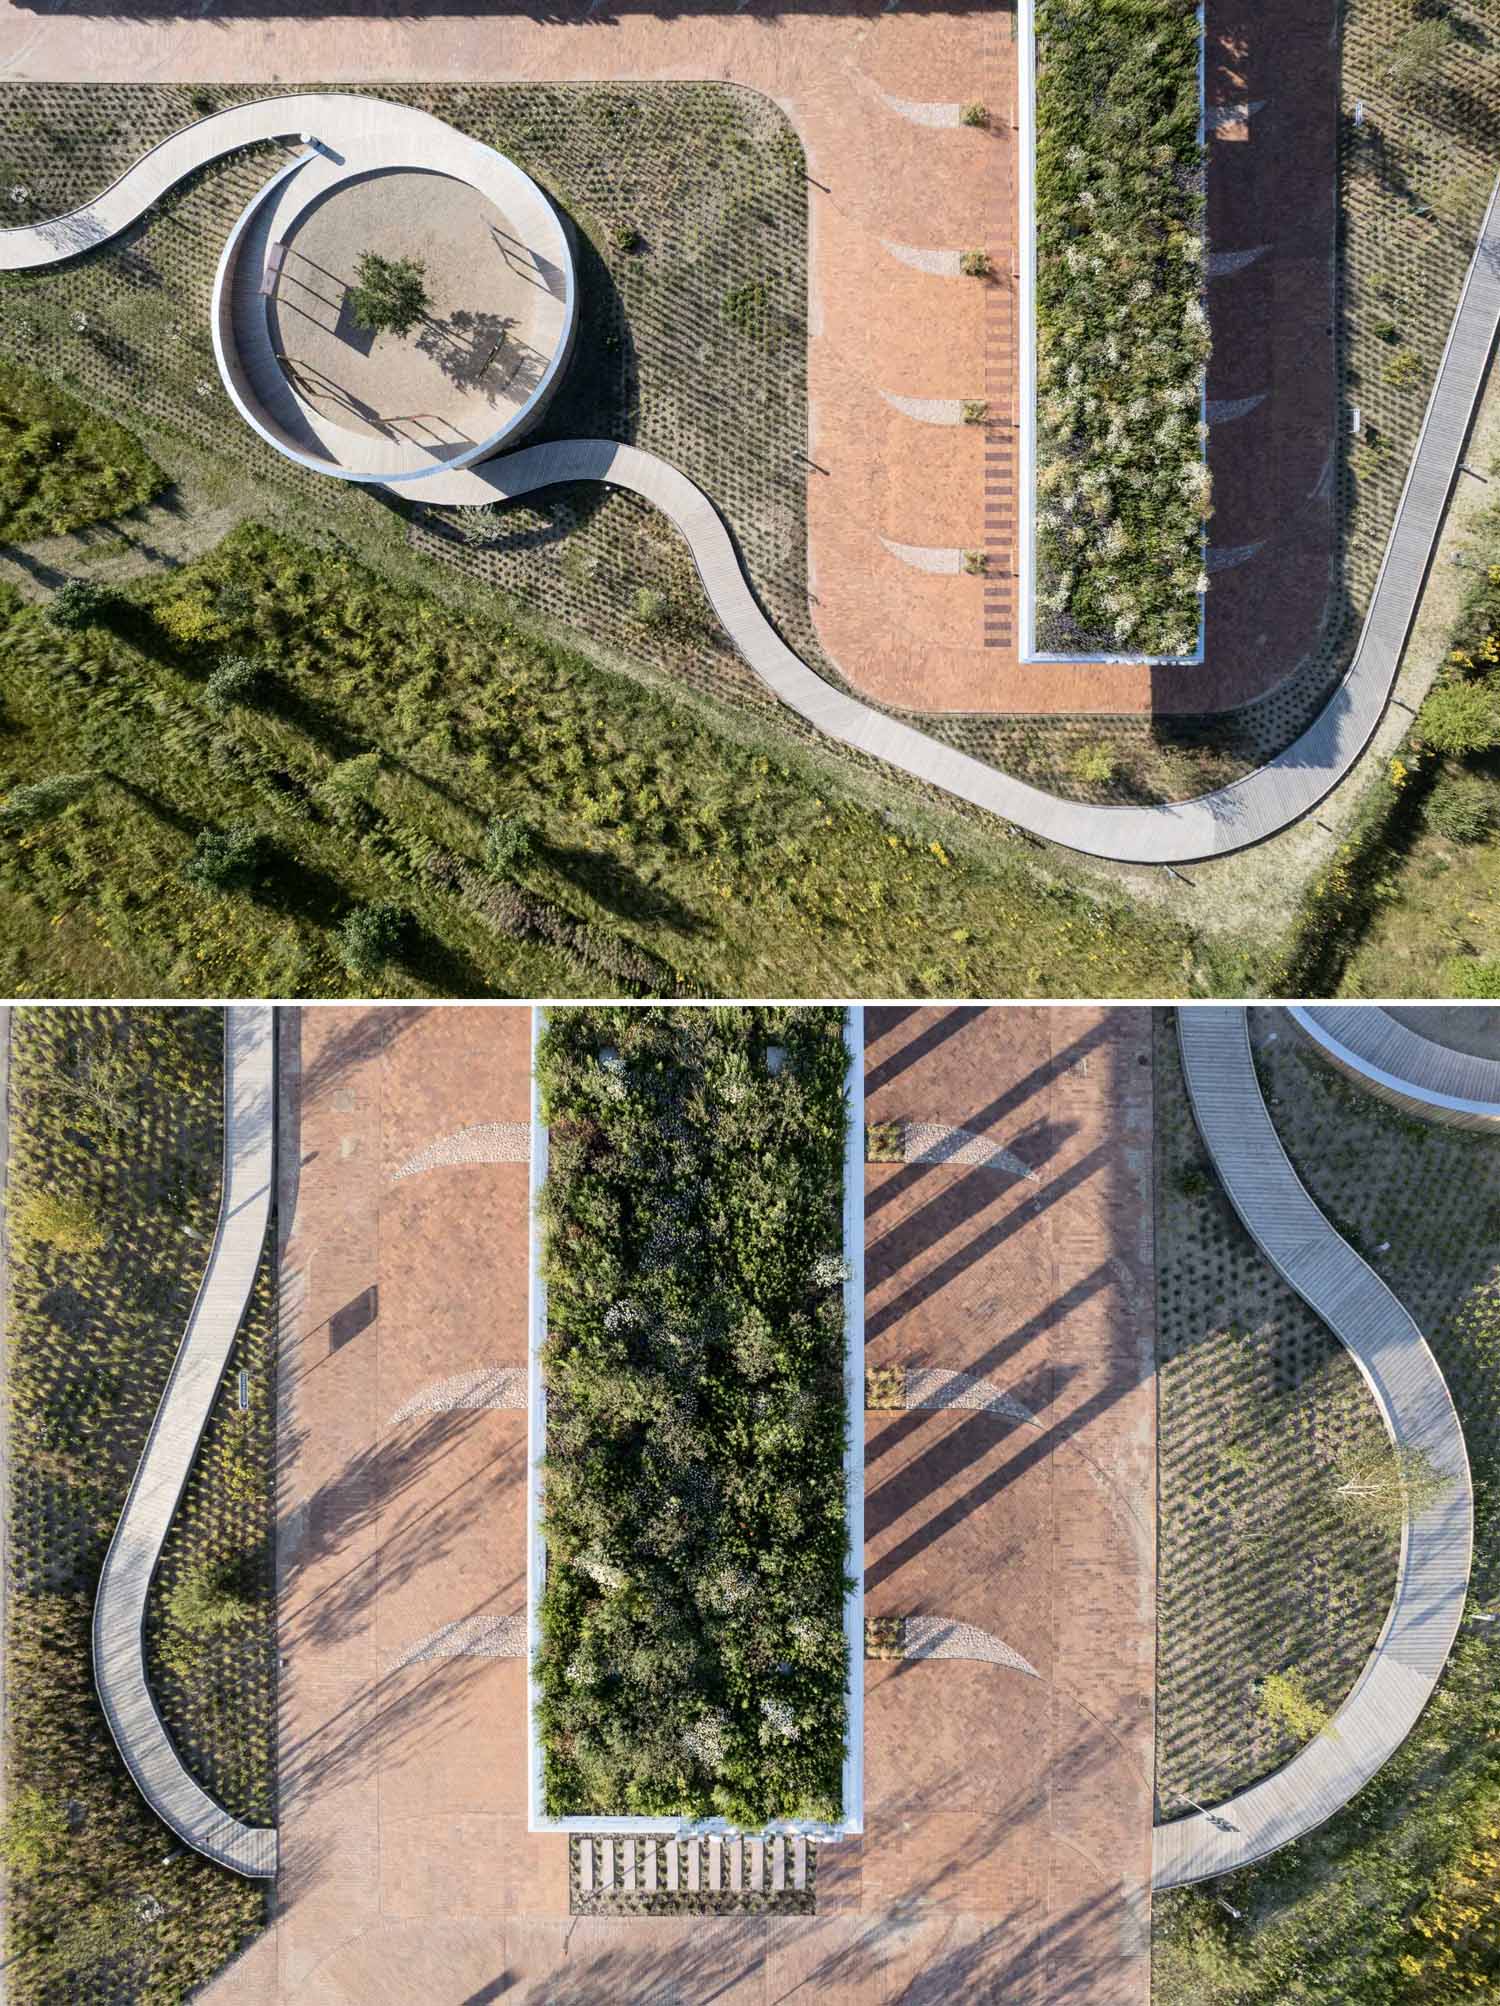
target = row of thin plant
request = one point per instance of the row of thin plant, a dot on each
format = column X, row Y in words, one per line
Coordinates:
column 693, row 1659
column 1121, row 331
column 114, row 1170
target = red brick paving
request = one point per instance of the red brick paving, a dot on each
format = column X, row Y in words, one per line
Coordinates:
column 1008, row 1818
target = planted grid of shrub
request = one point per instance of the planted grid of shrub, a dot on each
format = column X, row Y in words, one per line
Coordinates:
column 1122, row 334
column 115, row 1119
column 693, row 1659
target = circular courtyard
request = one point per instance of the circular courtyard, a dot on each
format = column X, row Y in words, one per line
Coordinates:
column 478, row 349
column 473, row 368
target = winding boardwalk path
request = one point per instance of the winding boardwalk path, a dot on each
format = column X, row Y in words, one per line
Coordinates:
column 120, row 1610
column 1409, row 1389
column 1231, row 818
column 1417, row 1074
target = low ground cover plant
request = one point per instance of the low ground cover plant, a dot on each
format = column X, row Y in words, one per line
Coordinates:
column 1122, row 337
column 547, row 828
column 62, row 466
column 693, row 1659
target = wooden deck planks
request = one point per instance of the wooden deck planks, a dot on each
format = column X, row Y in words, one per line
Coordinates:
column 218, row 1309
column 1408, row 1386
column 1416, row 1074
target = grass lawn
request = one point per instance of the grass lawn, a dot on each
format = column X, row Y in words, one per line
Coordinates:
column 62, row 466
column 115, row 1140
column 375, row 742
column 693, row 1659
column 1392, row 1902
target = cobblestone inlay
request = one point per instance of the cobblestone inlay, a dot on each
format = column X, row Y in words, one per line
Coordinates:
column 927, row 410
column 1224, row 264
column 942, row 264
column 738, row 1874
column 469, row 1637
column 1218, row 115
column 486, row 1387
column 945, row 1637
column 484, row 1142
column 930, row 1386
column 934, row 557
column 923, row 114
column 941, row 1142
column 1220, row 412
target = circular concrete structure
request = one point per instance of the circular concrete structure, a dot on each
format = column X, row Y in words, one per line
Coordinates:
column 477, row 370
column 1438, row 1064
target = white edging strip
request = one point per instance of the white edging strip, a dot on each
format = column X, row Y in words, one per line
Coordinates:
column 1026, row 315
column 852, row 1822
column 1365, row 1042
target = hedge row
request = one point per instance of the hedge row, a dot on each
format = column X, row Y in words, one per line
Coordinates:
column 1122, row 336
column 693, row 1660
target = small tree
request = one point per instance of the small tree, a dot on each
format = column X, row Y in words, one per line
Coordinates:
column 209, row 1599
column 388, row 296
column 508, row 845
column 34, row 1833
column 225, row 859
column 1384, row 1486
column 1417, row 53
column 64, row 1220
column 40, row 800
column 1285, row 1700
column 370, row 936
column 346, row 790
column 1461, row 718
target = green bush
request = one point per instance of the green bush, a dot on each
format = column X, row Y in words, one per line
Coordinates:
column 693, row 1659
column 78, row 604
column 38, row 801
column 34, row 1834
column 209, row 1599
column 235, row 680
column 508, row 845
column 1416, row 55
column 974, row 113
column 1463, row 807
column 1473, row 978
column 62, row 466
column 976, row 264
column 1094, row 764
column 1122, row 337
column 371, row 936
column 64, row 1220
column 1461, row 717
column 226, row 859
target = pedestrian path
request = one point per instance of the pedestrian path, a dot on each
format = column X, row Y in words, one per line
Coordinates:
column 217, row 1312
column 1419, row 1075
column 1408, row 1388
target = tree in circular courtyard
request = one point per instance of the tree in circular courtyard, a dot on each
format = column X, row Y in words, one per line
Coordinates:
column 388, row 295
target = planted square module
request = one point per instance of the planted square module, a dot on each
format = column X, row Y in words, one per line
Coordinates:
column 696, row 1422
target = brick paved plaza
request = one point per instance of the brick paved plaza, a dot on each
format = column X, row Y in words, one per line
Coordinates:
column 1007, row 1848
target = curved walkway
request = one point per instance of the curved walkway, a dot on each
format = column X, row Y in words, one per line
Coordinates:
column 1409, row 1389
column 1416, row 1074
column 1231, row 818
column 120, row 1610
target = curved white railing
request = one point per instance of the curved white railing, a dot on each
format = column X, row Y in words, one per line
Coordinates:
column 1416, row 1074
column 1408, row 1387
column 218, row 1310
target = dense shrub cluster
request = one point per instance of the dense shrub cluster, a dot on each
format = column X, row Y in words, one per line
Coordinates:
column 63, row 466
column 693, row 1658
column 1122, row 337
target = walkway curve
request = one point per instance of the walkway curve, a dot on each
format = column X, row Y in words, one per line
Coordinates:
column 1391, row 1060
column 218, row 1310
column 1408, row 1387
column 1258, row 805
